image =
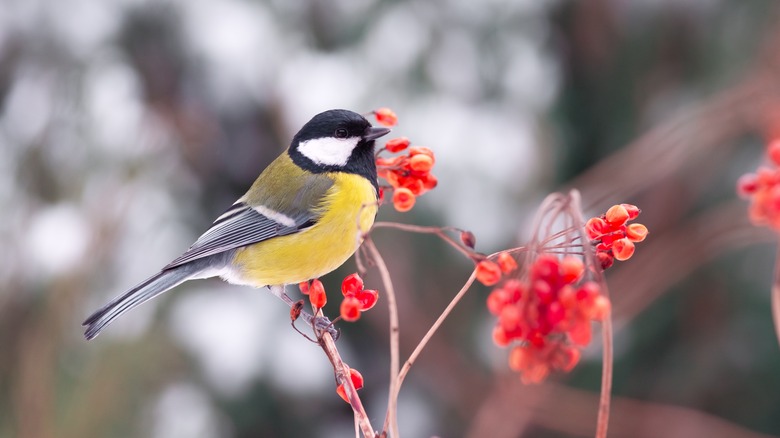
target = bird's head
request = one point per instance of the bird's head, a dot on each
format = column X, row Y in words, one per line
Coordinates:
column 337, row 140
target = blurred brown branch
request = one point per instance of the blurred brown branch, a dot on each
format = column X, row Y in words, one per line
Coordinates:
column 512, row 407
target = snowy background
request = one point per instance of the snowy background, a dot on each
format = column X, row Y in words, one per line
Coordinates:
column 126, row 126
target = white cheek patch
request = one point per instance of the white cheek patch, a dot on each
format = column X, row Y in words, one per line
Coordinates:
column 328, row 151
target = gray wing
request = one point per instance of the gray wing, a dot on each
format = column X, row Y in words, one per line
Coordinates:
column 242, row 225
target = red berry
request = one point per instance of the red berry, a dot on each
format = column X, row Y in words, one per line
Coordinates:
column 395, row 177
column 617, row 215
column 390, row 163
column 500, row 337
column 571, row 269
column 357, row 378
column 535, row 374
column 515, row 290
column 555, row 313
column 536, row 339
column 357, row 382
column 773, row 151
column 567, row 296
column 605, row 259
column 520, row 358
column 421, row 163
column 429, row 182
column 317, row 295
column 546, row 267
column 595, row 227
column 403, row 199
column 386, row 117
column 747, row 185
column 304, row 287
column 636, row 232
column 350, row 309
column 772, row 202
column 509, row 319
column 566, row 358
column 342, row 393
column 488, row 272
column 506, row 262
column 607, row 239
column 543, row 291
column 766, row 176
column 420, row 150
column 588, row 291
column 496, row 301
column 633, row 211
column 580, row 334
column 413, row 184
column 623, row 249
column 367, row 299
column 351, row 285
column 397, row 144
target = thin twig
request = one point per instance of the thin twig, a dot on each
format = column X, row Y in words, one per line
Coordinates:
column 606, row 330
column 776, row 295
column 357, row 426
column 396, row 376
column 391, row 419
column 510, row 408
column 424, row 341
column 439, row 231
column 342, row 378
column 606, row 377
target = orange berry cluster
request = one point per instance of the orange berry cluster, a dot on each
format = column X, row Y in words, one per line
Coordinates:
column 356, row 299
column 549, row 314
column 613, row 235
column 357, row 382
column 763, row 190
column 409, row 175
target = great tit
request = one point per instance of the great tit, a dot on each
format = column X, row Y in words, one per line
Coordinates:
column 302, row 218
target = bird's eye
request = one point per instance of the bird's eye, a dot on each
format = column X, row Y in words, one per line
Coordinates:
column 342, row 133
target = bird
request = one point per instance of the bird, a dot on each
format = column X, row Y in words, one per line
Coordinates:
column 302, row 218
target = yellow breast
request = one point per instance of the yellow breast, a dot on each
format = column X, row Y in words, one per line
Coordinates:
column 348, row 211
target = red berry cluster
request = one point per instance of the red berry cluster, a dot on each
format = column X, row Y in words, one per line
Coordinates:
column 763, row 190
column 357, row 382
column 409, row 175
column 356, row 299
column 613, row 235
column 548, row 313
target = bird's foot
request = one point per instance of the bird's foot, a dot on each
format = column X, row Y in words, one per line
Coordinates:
column 321, row 324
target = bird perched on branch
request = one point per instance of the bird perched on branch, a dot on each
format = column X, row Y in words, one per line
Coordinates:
column 302, row 218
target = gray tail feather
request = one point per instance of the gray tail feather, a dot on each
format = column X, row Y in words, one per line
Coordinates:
column 143, row 292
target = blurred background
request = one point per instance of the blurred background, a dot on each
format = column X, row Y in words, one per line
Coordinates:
column 126, row 126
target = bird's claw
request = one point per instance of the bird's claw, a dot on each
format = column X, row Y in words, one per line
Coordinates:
column 322, row 324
